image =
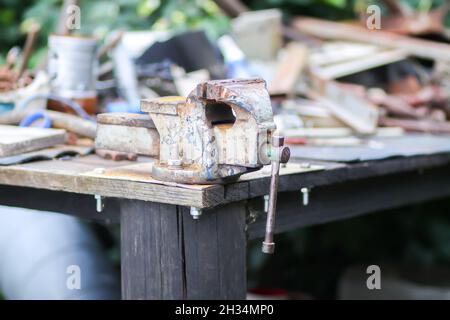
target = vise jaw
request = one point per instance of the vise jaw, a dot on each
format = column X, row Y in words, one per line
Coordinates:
column 220, row 131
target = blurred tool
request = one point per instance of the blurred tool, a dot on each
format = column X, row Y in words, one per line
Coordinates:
column 26, row 53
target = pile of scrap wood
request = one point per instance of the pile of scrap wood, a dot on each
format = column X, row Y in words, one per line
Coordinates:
column 335, row 82
column 409, row 94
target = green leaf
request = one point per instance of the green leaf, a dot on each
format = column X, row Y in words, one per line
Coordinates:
column 337, row 3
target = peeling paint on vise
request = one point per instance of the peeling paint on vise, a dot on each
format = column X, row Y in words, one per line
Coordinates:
column 222, row 143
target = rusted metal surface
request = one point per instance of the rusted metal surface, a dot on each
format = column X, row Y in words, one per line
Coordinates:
column 221, row 130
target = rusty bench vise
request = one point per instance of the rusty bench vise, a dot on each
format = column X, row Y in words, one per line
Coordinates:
column 223, row 129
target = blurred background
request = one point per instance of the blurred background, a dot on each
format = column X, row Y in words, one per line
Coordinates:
column 311, row 263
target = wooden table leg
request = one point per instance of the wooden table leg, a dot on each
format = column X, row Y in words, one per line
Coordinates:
column 168, row 255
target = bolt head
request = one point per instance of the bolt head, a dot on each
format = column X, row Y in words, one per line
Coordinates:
column 268, row 247
column 285, row 154
column 196, row 213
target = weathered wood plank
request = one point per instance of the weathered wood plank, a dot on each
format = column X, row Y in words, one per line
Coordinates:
column 168, row 255
column 82, row 206
column 126, row 119
column 16, row 140
column 353, row 198
column 343, row 31
column 70, row 176
column 215, row 253
column 151, row 250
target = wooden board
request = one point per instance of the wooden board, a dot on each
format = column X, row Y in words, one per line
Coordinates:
column 344, row 104
column 168, row 255
column 347, row 32
column 127, row 132
column 16, row 140
column 126, row 119
column 289, row 69
column 76, row 176
column 347, row 68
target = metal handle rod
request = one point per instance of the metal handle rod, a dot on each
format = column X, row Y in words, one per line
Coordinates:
column 279, row 154
column 268, row 244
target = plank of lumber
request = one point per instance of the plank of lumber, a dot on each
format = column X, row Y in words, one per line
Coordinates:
column 374, row 60
column 168, row 255
column 429, row 126
column 126, row 119
column 355, row 111
column 289, row 69
column 69, row 176
column 61, row 120
column 16, row 140
column 339, row 132
column 127, row 132
column 342, row 31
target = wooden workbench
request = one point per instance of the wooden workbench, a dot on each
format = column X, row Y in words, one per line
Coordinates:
column 168, row 255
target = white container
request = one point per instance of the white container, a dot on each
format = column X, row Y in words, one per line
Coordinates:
column 72, row 66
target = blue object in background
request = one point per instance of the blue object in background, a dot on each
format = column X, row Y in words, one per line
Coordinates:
column 236, row 63
column 122, row 106
column 32, row 118
column 4, row 107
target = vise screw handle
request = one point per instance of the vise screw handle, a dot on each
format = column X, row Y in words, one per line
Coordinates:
column 279, row 154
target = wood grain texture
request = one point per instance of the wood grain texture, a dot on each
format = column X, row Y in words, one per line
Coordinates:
column 168, row 255
column 129, row 139
column 70, row 176
column 16, row 140
column 126, row 119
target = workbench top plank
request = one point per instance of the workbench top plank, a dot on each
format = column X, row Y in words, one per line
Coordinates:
column 71, row 176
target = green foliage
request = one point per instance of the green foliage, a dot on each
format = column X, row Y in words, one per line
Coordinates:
column 100, row 17
column 11, row 15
